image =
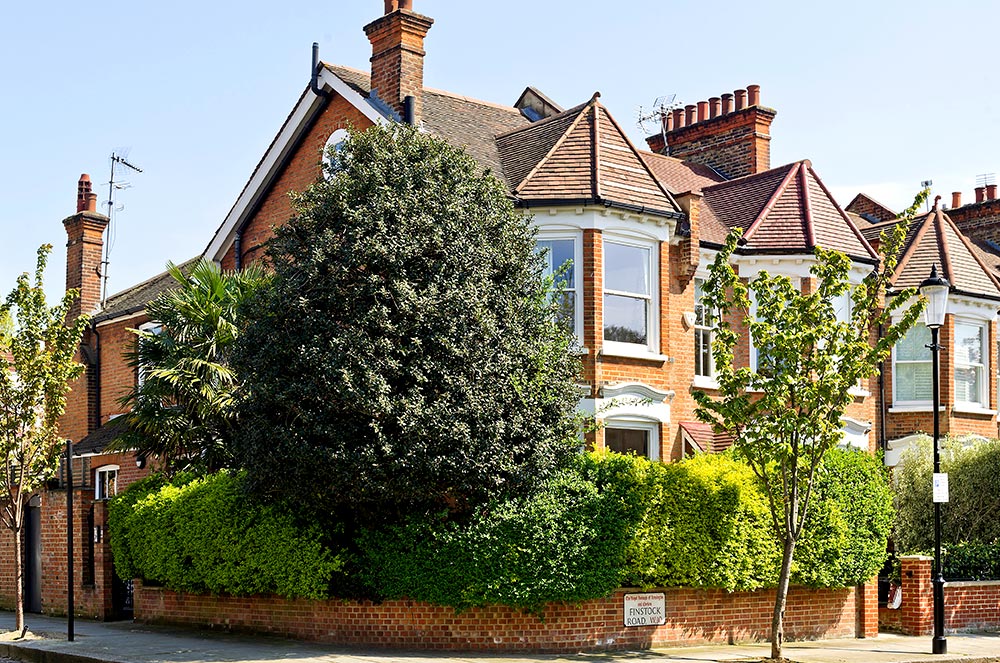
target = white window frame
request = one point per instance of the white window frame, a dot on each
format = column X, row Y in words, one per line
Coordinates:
column 99, row 482
column 152, row 327
column 336, row 140
column 709, row 376
column 895, row 377
column 984, row 376
column 647, row 425
column 652, row 345
column 549, row 234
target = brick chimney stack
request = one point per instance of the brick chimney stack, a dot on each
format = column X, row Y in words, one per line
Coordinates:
column 397, row 40
column 84, row 249
column 956, row 199
column 733, row 138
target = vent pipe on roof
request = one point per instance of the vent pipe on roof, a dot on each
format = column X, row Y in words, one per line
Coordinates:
column 409, row 109
column 314, row 80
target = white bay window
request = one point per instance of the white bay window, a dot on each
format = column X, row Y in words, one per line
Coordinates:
column 971, row 364
column 912, row 372
column 630, row 294
column 561, row 253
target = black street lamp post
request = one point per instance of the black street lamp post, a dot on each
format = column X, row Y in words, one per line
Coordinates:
column 935, row 289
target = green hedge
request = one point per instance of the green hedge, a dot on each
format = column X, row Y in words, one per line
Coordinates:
column 565, row 543
column 204, row 535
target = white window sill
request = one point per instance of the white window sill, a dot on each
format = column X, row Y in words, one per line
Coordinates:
column 579, row 351
column 972, row 408
column 914, row 407
column 634, row 352
column 704, row 382
column 858, row 392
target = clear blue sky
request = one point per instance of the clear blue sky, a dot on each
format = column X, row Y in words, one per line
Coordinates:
column 879, row 95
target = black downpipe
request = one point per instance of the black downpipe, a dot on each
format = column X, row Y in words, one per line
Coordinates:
column 409, row 110
column 314, row 79
column 238, row 248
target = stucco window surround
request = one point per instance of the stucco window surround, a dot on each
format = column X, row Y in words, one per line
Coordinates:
column 560, row 245
column 632, row 406
column 631, row 297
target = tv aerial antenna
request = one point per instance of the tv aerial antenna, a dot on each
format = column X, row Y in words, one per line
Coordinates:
column 119, row 161
column 986, row 179
column 657, row 115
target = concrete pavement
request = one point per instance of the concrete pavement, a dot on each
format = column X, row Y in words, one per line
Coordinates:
column 127, row 642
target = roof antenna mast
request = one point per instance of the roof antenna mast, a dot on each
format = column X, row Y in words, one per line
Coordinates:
column 117, row 159
column 661, row 108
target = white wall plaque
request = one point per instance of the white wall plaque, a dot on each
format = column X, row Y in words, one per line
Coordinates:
column 941, row 487
column 647, row 609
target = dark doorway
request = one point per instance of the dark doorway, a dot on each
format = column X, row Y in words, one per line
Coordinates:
column 33, row 556
column 121, row 597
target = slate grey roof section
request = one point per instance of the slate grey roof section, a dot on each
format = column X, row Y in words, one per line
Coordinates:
column 97, row 441
column 462, row 121
column 135, row 299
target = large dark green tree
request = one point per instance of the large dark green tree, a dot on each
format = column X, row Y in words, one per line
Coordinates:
column 183, row 409
column 407, row 353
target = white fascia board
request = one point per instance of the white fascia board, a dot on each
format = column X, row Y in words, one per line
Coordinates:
column 298, row 122
column 612, row 220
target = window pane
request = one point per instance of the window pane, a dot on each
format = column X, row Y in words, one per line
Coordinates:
column 842, row 307
column 627, row 440
column 624, row 319
column 914, row 382
column 626, row 268
column 567, row 310
column 702, row 316
column 558, row 252
column 702, row 352
column 913, row 346
column 968, row 344
column 968, row 384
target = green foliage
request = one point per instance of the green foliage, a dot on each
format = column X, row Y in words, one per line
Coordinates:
column 972, row 560
column 205, row 535
column 974, row 499
column 845, row 543
column 566, row 542
column 407, row 355
column 705, row 525
column 183, row 409
column 786, row 415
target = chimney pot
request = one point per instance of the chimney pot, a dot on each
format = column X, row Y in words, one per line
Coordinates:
column 727, row 104
column 754, row 93
column 668, row 122
column 689, row 114
column 980, row 194
column 956, row 199
column 991, row 192
column 715, row 107
column 83, row 188
column 702, row 111
column 741, row 99
column 678, row 116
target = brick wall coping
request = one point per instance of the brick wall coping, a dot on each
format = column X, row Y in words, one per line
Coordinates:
column 919, row 558
column 972, row 583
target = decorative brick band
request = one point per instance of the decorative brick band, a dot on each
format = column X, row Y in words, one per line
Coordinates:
column 692, row 617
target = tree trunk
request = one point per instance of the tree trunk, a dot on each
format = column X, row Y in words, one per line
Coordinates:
column 18, row 579
column 780, row 598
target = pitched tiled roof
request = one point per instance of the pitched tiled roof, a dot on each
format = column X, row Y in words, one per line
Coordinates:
column 870, row 209
column 784, row 209
column 704, row 437
column 134, row 299
column 582, row 155
column 680, row 176
column 462, row 121
column 95, row 442
column 934, row 239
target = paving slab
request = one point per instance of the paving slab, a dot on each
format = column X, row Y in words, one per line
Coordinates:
column 129, row 642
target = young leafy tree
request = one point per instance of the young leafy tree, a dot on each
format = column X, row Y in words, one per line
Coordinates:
column 37, row 348
column 407, row 353
column 786, row 415
column 182, row 410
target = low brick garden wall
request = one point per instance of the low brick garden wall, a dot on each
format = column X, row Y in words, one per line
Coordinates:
column 692, row 617
column 967, row 605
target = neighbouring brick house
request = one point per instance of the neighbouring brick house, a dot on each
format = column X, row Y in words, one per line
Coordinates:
column 640, row 225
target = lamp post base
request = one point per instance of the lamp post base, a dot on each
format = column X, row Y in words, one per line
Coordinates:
column 939, row 645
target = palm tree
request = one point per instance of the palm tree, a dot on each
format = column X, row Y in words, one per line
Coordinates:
column 182, row 405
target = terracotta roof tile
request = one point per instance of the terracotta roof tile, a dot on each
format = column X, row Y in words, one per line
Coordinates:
column 680, row 176
column 933, row 239
column 704, row 437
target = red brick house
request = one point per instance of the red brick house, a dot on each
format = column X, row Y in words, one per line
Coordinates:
column 640, row 224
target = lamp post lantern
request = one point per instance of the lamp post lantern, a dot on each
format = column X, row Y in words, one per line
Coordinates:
column 935, row 289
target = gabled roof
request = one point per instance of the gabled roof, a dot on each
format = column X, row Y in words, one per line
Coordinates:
column 783, row 210
column 134, row 300
column 870, row 209
column 704, row 438
column 680, row 176
column 581, row 155
column 934, row 239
